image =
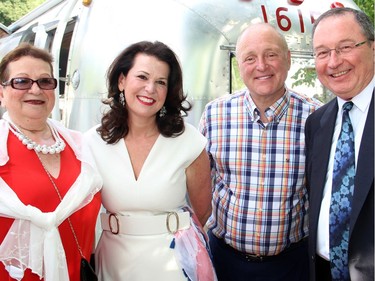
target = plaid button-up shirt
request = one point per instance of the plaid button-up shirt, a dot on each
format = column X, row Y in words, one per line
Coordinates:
column 259, row 197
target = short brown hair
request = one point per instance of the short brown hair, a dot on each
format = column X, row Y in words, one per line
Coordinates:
column 23, row 50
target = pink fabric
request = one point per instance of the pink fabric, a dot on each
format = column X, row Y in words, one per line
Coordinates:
column 192, row 253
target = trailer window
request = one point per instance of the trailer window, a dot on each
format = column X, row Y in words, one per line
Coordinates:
column 64, row 55
column 236, row 82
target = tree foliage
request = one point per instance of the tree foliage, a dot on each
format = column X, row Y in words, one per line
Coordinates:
column 367, row 6
column 12, row 10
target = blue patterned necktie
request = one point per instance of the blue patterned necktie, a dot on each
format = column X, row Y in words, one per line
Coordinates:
column 342, row 193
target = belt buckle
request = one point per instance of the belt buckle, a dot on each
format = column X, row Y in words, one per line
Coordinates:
column 168, row 224
column 117, row 224
column 254, row 258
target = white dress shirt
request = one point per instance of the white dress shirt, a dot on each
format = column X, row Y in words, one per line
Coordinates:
column 358, row 116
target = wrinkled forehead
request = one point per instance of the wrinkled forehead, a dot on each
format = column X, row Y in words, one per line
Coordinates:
column 260, row 38
column 28, row 64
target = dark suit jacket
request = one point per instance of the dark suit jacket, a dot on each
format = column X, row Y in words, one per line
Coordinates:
column 319, row 130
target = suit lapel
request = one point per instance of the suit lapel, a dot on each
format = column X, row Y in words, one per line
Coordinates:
column 365, row 165
column 322, row 147
column 322, row 143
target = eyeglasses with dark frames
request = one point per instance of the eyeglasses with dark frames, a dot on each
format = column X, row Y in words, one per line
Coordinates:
column 21, row 83
column 341, row 49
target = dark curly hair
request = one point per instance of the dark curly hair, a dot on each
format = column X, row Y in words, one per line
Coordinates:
column 114, row 123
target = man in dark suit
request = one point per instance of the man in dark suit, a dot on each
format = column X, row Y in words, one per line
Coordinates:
column 343, row 42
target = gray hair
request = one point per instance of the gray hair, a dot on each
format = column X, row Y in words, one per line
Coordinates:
column 361, row 18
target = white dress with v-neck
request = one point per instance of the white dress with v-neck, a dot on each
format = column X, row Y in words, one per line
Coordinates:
column 159, row 188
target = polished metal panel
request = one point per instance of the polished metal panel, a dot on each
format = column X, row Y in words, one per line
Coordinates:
column 203, row 33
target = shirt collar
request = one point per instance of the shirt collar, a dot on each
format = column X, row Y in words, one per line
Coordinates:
column 363, row 99
column 274, row 113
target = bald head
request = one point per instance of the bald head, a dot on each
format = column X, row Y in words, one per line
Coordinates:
column 259, row 29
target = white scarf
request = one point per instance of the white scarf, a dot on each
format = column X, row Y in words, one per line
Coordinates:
column 33, row 241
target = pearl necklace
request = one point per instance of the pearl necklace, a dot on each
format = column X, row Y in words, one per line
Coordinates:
column 57, row 147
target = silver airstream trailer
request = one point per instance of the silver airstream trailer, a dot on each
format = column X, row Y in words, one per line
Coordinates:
column 85, row 35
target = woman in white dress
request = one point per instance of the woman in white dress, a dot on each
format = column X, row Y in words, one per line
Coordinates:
column 157, row 187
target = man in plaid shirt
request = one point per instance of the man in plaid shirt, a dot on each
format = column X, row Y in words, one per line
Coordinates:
column 258, row 225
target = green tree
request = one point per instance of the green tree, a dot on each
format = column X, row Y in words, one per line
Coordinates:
column 367, row 6
column 12, row 10
column 306, row 74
